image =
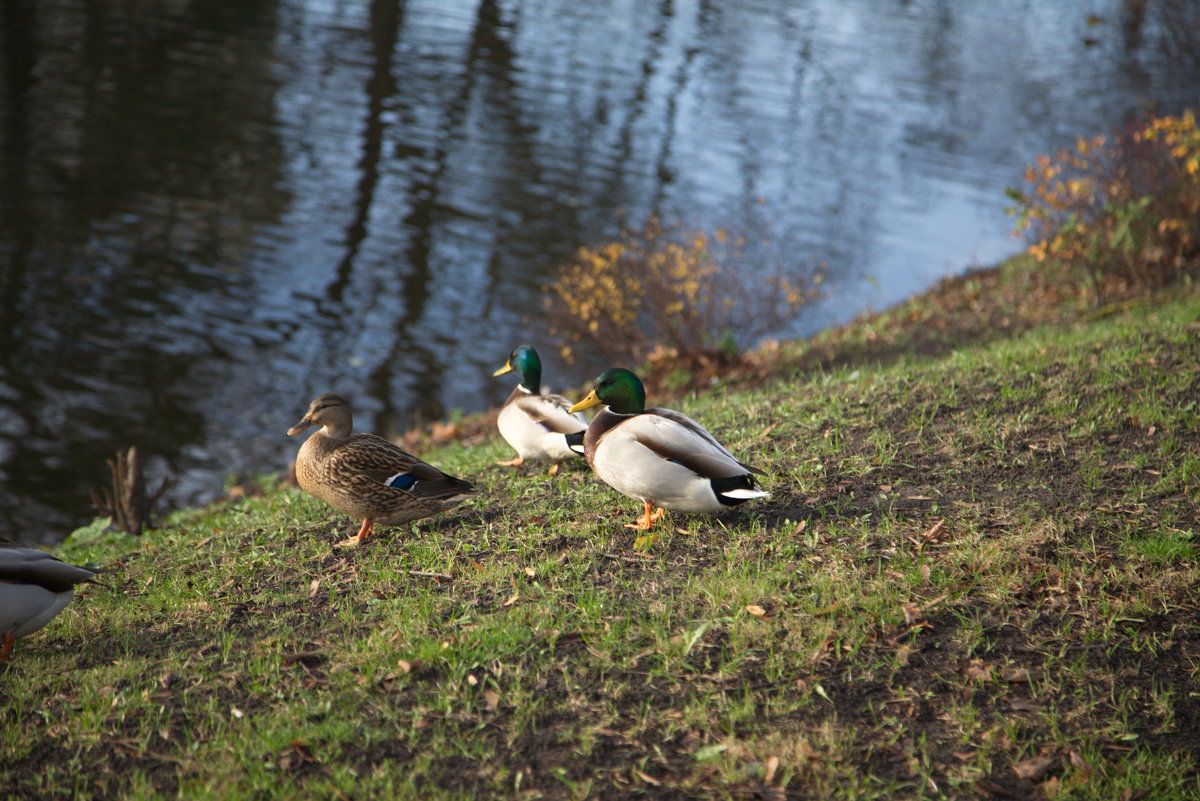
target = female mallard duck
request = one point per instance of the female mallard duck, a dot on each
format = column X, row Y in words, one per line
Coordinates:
column 659, row 456
column 34, row 587
column 366, row 476
column 538, row 427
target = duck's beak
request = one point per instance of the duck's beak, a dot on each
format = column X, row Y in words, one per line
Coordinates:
column 507, row 368
column 591, row 400
column 302, row 426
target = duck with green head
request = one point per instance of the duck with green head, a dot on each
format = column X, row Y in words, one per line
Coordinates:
column 366, row 476
column 659, row 456
column 539, row 426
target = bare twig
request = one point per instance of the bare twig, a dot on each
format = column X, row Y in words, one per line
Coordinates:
column 429, row 574
column 127, row 502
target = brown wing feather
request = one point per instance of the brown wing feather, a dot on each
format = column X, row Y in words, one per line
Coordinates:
column 694, row 461
column 370, row 460
column 532, row 406
column 699, row 463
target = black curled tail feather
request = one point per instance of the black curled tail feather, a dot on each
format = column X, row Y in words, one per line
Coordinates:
column 728, row 483
column 445, row 487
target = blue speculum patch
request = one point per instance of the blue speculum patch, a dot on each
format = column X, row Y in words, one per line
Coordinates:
column 401, row 481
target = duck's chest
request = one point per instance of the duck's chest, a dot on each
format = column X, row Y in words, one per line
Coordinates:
column 313, row 471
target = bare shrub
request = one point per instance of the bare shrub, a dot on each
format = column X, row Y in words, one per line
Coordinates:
column 696, row 296
column 1125, row 210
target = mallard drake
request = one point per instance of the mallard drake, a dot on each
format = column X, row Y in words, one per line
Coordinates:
column 659, row 456
column 366, row 476
column 34, row 587
column 538, row 426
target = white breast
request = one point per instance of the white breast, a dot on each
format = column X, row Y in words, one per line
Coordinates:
column 25, row 608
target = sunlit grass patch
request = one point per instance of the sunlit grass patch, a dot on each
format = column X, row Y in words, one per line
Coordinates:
column 1165, row 547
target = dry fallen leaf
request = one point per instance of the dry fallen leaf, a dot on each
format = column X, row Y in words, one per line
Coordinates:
column 1017, row 675
column 295, row 755
column 772, row 766
column 755, row 610
column 1024, row 705
column 647, row 778
column 823, row 648
column 978, row 670
column 991, row 788
column 934, row 530
column 444, row 432
column 491, row 700
column 1033, row 768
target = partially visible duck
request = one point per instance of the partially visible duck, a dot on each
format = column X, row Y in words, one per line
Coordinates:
column 659, row 456
column 34, row 587
column 366, row 476
column 539, row 427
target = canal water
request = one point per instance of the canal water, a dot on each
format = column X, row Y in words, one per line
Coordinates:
column 211, row 210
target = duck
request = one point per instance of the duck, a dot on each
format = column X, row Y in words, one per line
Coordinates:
column 34, row 587
column 661, row 457
column 366, row 476
column 538, row 426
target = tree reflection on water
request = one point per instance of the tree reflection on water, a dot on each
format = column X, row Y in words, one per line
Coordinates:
column 211, row 211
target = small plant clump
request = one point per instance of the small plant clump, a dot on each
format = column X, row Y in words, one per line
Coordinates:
column 1126, row 211
column 691, row 293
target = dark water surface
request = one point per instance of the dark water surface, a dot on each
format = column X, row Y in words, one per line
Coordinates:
column 212, row 210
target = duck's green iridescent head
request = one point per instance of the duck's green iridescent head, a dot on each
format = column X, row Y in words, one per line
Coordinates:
column 617, row 388
column 525, row 361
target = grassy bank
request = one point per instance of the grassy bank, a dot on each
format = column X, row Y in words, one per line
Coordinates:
column 976, row 578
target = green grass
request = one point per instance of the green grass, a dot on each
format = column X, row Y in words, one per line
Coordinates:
column 976, row 577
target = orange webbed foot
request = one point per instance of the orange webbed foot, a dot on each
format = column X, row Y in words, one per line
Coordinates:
column 364, row 531
column 648, row 518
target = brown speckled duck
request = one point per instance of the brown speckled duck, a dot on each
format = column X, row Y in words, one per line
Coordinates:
column 34, row 587
column 366, row 476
